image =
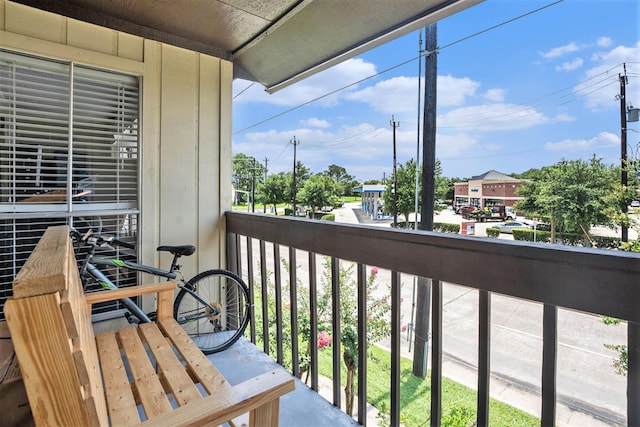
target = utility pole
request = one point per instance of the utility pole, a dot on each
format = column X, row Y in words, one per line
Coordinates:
column 423, row 294
column 623, row 142
column 395, row 125
column 264, row 205
column 293, row 182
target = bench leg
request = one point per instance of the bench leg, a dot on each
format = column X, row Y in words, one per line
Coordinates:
column 265, row 415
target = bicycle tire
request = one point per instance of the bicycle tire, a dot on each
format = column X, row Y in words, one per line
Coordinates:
column 220, row 288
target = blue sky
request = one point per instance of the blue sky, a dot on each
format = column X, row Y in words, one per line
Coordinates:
column 526, row 94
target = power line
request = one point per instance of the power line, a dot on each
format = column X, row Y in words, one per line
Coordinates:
column 390, row 69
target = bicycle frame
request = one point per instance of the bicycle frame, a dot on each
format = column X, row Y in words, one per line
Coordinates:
column 90, row 267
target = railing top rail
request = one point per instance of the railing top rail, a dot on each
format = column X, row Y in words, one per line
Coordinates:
column 597, row 281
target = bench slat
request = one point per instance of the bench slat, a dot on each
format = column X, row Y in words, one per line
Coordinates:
column 178, row 381
column 197, row 363
column 146, row 383
column 120, row 401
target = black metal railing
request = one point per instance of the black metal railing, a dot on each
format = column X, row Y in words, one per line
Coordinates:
column 601, row 282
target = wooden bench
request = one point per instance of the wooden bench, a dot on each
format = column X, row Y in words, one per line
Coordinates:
column 152, row 374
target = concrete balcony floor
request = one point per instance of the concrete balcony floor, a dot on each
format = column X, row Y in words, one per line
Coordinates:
column 302, row 407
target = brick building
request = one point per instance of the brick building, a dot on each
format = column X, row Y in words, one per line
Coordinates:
column 486, row 190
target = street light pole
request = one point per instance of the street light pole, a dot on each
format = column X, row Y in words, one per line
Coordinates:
column 293, row 181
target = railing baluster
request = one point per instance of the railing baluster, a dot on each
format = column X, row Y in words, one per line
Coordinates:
column 293, row 309
column 313, row 316
column 549, row 354
column 395, row 348
column 238, row 252
column 232, row 252
column 633, row 374
column 335, row 324
column 436, row 350
column 484, row 356
column 362, row 344
column 251, row 285
column 265, row 297
column 277, row 277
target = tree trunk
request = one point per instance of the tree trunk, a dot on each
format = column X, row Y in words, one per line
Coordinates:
column 349, row 387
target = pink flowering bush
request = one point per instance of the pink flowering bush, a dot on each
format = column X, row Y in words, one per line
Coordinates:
column 324, row 340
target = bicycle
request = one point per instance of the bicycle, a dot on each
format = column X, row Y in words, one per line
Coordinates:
column 212, row 307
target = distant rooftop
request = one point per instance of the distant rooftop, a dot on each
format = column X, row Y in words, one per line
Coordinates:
column 370, row 188
column 492, row 175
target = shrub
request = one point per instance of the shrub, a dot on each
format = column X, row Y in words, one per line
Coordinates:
column 527, row 235
column 569, row 239
column 605, row 242
column 443, row 227
column 328, row 217
column 493, row 232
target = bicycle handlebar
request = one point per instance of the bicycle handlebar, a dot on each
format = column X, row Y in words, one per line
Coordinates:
column 99, row 240
column 117, row 242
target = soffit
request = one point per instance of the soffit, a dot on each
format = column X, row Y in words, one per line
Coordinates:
column 273, row 42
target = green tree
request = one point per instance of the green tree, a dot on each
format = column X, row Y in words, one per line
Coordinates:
column 378, row 324
column 378, row 312
column 345, row 182
column 302, row 175
column 406, row 185
column 573, row 194
column 275, row 190
column 247, row 173
column 319, row 191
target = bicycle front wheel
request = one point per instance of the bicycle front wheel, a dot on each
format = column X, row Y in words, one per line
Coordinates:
column 216, row 326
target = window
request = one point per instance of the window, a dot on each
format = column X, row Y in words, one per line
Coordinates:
column 69, row 153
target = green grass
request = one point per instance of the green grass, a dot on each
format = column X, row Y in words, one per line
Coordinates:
column 415, row 393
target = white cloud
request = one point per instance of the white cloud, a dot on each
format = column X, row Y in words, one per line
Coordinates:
column 495, row 95
column 454, row 91
column 460, row 145
column 389, row 96
column 604, row 41
column 608, row 65
column 492, row 117
column 570, row 66
column 564, row 117
column 605, row 139
column 316, row 123
column 399, row 94
column 560, row 51
column 336, row 77
column 362, row 143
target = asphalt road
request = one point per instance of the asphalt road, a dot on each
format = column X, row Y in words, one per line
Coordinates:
column 590, row 393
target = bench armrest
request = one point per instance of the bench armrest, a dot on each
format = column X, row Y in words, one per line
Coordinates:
column 259, row 396
column 132, row 291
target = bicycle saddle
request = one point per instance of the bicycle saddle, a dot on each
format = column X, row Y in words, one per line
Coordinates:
column 185, row 250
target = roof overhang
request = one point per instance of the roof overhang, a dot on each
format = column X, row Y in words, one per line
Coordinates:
column 273, row 42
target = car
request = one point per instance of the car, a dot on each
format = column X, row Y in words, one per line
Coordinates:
column 465, row 209
column 635, row 204
column 507, row 227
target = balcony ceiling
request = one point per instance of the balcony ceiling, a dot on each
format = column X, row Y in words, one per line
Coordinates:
column 273, row 42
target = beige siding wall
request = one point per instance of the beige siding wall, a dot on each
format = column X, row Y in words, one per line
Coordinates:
column 186, row 124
